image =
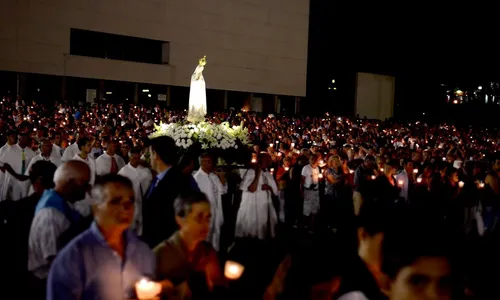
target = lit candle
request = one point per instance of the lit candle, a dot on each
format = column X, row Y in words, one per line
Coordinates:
column 254, row 160
column 381, row 169
column 271, row 145
column 351, row 171
column 287, row 169
column 147, row 290
column 292, row 145
column 415, row 171
column 233, row 270
column 461, row 184
column 480, row 185
column 373, row 177
column 272, row 170
column 320, row 176
column 400, row 182
column 419, row 179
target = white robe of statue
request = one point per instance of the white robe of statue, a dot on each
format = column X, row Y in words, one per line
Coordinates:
column 197, row 97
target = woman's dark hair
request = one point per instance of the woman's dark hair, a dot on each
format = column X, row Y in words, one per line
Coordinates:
column 43, row 171
column 185, row 161
column 407, row 243
column 82, row 141
column 184, row 203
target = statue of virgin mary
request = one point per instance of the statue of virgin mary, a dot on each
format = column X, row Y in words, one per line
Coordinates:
column 198, row 94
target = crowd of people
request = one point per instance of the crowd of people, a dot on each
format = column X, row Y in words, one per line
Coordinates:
column 89, row 206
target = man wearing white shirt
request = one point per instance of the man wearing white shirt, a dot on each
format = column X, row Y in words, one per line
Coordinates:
column 141, row 178
column 85, row 145
column 46, row 154
column 56, row 144
column 72, row 149
column 214, row 186
column 70, row 152
column 17, row 156
column 109, row 162
column 405, row 180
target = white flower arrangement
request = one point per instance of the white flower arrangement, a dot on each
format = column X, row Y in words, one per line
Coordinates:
column 208, row 135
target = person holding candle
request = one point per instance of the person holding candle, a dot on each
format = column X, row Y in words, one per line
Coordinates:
column 309, row 189
column 295, row 199
column 334, row 183
column 187, row 265
column 257, row 216
column 388, row 188
column 407, row 179
column 107, row 260
column 363, row 184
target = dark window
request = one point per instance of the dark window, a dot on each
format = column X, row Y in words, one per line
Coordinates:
column 119, row 47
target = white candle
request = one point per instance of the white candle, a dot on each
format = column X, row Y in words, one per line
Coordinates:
column 415, row 171
column 419, row 179
column 320, row 176
column 233, row 270
column 381, row 169
column 461, row 184
column 147, row 290
column 272, row 170
column 292, row 145
column 254, row 160
column 373, row 176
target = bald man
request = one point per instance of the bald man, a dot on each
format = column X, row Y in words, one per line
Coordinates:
column 54, row 216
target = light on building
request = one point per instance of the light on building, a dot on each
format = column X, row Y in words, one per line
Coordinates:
column 334, row 88
column 479, row 87
column 145, row 91
column 109, row 93
column 149, row 95
column 333, row 80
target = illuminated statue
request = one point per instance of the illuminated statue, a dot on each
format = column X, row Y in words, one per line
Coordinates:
column 198, row 94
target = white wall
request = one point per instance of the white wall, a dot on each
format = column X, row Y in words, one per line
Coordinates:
column 375, row 96
column 251, row 45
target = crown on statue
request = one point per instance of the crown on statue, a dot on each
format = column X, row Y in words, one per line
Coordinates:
column 203, row 61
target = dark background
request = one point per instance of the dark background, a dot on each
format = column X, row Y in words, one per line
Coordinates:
column 429, row 48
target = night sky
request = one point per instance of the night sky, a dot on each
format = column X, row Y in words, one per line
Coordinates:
column 422, row 49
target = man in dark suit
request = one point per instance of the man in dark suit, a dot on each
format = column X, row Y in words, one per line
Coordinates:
column 158, row 205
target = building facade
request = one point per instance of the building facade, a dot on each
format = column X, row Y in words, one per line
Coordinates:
column 252, row 46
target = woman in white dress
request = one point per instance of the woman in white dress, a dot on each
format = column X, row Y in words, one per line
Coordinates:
column 257, row 217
